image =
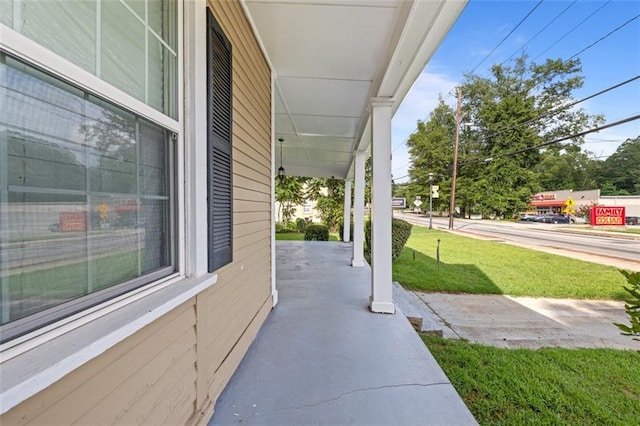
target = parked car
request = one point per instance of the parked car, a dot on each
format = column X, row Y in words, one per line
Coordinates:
column 632, row 220
column 528, row 217
column 554, row 218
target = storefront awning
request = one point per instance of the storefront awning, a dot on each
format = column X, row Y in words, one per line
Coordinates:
column 549, row 203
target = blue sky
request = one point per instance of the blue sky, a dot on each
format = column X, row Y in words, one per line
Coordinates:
column 481, row 27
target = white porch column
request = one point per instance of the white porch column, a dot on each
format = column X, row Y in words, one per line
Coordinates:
column 381, row 285
column 346, row 229
column 357, row 258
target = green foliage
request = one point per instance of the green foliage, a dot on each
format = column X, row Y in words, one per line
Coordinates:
column 400, row 233
column 301, row 224
column 330, row 206
column 316, row 233
column 505, row 118
column 327, row 193
column 632, row 307
column 285, row 227
column 620, row 172
column 549, row 386
column 289, row 193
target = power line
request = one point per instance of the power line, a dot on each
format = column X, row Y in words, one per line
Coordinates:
column 555, row 141
column 449, row 94
column 556, row 110
column 565, row 107
column 604, row 37
column 540, row 32
column 507, row 36
column 572, row 30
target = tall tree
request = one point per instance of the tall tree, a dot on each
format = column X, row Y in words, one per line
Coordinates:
column 431, row 151
column 289, row 193
column 517, row 113
column 620, row 173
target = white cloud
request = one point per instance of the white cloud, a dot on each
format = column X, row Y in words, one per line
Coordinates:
column 417, row 105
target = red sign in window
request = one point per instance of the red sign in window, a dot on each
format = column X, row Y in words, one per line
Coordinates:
column 76, row 221
column 602, row 215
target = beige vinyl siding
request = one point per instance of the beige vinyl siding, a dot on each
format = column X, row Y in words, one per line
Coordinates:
column 173, row 370
column 118, row 379
column 232, row 311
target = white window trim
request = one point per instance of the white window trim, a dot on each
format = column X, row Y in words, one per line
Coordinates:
column 35, row 361
column 31, row 52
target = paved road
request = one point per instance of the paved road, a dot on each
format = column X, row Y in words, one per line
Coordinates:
column 621, row 251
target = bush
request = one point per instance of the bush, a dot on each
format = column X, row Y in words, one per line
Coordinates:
column 285, row 227
column 632, row 307
column 301, row 224
column 341, row 230
column 316, row 233
column 400, row 232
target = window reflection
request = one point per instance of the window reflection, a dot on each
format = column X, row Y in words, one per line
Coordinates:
column 84, row 194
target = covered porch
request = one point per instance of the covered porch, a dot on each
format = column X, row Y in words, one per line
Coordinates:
column 322, row 357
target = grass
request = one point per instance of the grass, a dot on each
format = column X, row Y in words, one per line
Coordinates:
column 296, row 236
column 543, row 386
column 70, row 281
column 469, row 265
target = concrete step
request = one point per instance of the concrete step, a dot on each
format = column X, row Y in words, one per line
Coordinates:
column 417, row 312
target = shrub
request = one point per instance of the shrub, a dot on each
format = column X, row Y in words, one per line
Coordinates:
column 316, row 233
column 301, row 224
column 400, row 232
column 632, row 307
column 285, row 227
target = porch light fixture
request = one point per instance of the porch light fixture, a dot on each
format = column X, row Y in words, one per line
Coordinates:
column 281, row 169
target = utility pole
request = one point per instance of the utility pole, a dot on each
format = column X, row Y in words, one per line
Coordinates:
column 452, row 203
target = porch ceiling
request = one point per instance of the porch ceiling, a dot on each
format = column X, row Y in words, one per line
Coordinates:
column 330, row 57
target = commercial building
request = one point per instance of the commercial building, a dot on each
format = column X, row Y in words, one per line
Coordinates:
column 555, row 201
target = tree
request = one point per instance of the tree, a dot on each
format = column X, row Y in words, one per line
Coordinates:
column 289, row 193
column 517, row 113
column 620, row 173
column 431, row 151
column 331, row 205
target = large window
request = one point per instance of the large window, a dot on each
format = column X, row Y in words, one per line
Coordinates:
column 85, row 199
column 131, row 44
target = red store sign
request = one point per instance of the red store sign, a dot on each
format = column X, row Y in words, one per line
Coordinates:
column 602, row 215
column 73, row 221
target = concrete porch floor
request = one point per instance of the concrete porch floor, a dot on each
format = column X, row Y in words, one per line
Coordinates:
column 323, row 358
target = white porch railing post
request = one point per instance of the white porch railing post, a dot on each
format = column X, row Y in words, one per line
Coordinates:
column 357, row 258
column 381, row 284
column 346, row 230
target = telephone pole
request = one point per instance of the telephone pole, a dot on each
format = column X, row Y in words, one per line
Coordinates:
column 452, row 202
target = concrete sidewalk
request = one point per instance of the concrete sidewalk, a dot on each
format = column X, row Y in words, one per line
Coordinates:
column 526, row 322
column 323, row 358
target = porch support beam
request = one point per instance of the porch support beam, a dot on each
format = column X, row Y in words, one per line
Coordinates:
column 381, row 285
column 357, row 259
column 346, row 229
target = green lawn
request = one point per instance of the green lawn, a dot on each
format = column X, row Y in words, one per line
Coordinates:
column 543, row 386
column 295, row 236
column 470, row 265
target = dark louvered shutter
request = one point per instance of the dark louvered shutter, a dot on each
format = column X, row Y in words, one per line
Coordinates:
column 219, row 123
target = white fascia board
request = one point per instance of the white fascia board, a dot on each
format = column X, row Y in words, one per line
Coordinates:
column 419, row 42
column 416, row 46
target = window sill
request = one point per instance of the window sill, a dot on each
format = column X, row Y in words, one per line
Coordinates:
column 34, row 364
